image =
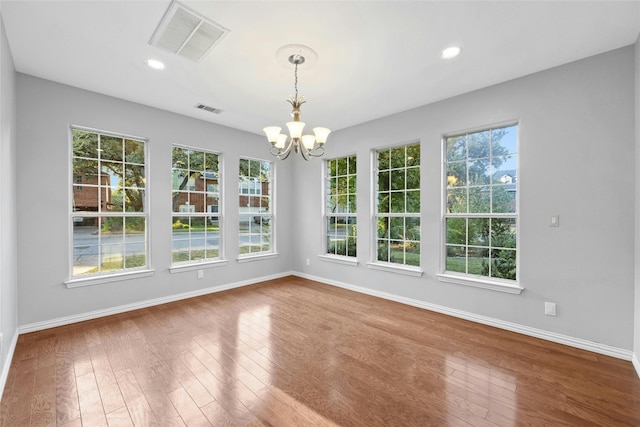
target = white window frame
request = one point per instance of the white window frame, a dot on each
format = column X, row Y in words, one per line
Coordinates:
column 325, row 254
column 476, row 280
column 271, row 215
column 374, row 263
column 190, row 211
column 110, row 275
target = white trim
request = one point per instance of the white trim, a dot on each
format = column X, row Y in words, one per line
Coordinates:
column 480, row 283
column 595, row 347
column 7, row 363
column 197, row 266
column 636, row 363
column 259, row 257
column 116, row 277
column 338, row 259
column 61, row 321
column 395, row 268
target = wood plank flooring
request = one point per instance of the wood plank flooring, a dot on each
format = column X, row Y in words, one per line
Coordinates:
column 293, row 352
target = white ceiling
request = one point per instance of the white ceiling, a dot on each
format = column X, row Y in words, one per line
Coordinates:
column 375, row 58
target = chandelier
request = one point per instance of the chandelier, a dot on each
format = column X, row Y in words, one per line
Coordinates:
column 307, row 145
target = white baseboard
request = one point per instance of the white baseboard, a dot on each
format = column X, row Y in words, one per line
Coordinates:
column 7, row 363
column 513, row 327
column 636, row 363
column 38, row 326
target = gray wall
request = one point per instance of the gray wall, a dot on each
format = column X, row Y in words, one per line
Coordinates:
column 8, row 238
column 576, row 133
column 576, row 139
column 45, row 110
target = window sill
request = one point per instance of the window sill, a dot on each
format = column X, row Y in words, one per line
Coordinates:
column 338, row 259
column 115, row 277
column 252, row 258
column 392, row 268
column 197, row 266
column 492, row 285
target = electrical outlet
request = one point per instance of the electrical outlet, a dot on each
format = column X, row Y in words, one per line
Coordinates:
column 200, row 274
column 554, row 221
column 550, row 308
column 308, row 261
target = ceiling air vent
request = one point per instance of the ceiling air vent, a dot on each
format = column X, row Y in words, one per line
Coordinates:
column 209, row 109
column 186, row 33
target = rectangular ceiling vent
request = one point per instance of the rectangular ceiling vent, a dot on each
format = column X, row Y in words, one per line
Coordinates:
column 209, row 109
column 186, row 33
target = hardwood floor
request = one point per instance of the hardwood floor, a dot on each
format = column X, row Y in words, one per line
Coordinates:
column 292, row 352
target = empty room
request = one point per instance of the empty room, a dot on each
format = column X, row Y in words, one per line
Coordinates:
column 319, row 213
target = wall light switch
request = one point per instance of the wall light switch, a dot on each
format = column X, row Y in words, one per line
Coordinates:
column 550, row 308
column 200, row 274
column 554, row 221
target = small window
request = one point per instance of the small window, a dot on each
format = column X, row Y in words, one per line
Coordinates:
column 195, row 197
column 340, row 206
column 481, row 211
column 397, row 211
column 256, row 208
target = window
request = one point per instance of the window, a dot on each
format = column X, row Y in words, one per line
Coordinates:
column 108, row 212
column 195, row 199
column 481, row 215
column 397, row 213
column 340, row 206
column 256, row 207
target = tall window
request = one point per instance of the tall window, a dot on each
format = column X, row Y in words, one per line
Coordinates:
column 195, row 198
column 256, row 207
column 108, row 212
column 340, row 208
column 481, row 203
column 398, row 205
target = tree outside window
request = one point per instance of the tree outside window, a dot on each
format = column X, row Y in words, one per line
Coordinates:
column 481, row 203
column 340, row 206
column 398, row 205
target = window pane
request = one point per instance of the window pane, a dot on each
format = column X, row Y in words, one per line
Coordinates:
column 503, row 233
column 383, row 227
column 503, row 264
column 456, row 148
column 111, row 148
column 479, row 199
column 134, row 151
column 397, row 202
column 413, row 178
column 383, row 181
column 413, row 155
column 413, row 201
column 505, row 140
column 397, row 157
column 383, row 250
column 478, row 260
column 85, row 144
column 383, row 159
column 479, row 144
column 383, row 202
column 397, row 229
column 456, row 231
column 456, row 259
column 342, row 166
column 456, row 174
column 457, row 200
column 479, row 231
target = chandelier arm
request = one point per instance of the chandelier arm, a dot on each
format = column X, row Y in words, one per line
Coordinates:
column 319, row 151
column 304, row 152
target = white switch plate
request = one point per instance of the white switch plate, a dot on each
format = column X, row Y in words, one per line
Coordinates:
column 554, row 221
column 550, row 308
column 200, row 274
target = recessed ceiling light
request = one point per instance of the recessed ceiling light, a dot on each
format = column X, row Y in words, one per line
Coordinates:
column 154, row 63
column 451, row 52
